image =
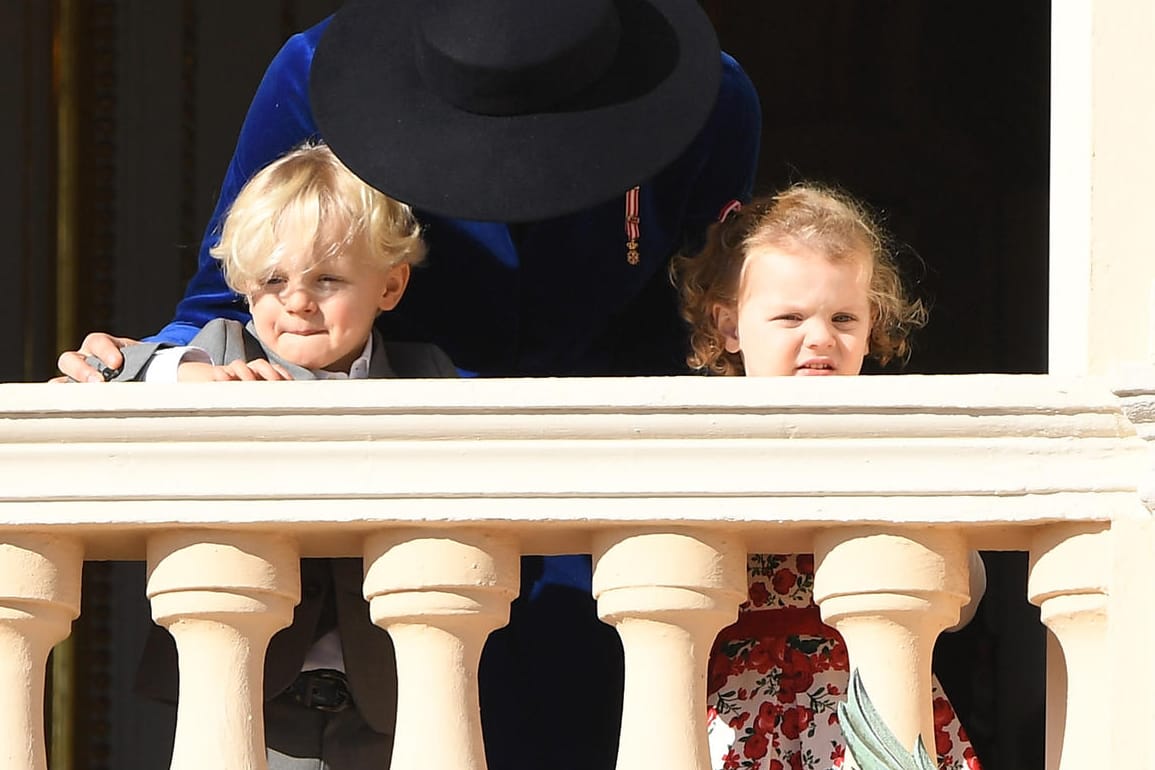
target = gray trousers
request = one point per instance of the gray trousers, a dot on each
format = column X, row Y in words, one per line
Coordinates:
column 300, row 738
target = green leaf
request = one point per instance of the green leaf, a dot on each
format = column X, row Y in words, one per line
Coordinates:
column 869, row 741
column 808, row 645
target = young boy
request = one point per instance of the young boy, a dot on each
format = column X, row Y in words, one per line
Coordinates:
column 318, row 254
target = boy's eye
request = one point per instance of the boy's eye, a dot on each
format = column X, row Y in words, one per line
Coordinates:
column 330, row 279
column 273, row 280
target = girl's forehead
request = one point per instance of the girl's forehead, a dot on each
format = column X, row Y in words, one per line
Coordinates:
column 796, row 257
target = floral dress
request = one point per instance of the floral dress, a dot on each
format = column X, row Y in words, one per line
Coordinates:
column 777, row 675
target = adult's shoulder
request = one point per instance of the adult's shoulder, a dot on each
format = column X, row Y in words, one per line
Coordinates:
column 279, row 117
column 737, row 96
column 291, row 63
column 298, row 50
column 722, row 161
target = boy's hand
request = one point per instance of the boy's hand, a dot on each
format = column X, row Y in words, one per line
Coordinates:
column 103, row 346
column 260, row 369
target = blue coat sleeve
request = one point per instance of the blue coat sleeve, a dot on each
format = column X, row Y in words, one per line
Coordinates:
column 278, row 119
column 730, row 163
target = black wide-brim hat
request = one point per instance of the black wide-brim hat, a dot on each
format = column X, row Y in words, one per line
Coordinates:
column 512, row 110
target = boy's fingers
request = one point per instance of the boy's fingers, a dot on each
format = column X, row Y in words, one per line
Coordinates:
column 265, row 370
column 241, row 371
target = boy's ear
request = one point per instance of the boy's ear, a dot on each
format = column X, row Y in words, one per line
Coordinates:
column 726, row 319
column 395, row 282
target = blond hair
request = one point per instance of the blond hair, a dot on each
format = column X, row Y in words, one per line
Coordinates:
column 306, row 206
column 805, row 216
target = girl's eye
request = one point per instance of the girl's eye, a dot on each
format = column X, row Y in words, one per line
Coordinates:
column 789, row 318
column 845, row 318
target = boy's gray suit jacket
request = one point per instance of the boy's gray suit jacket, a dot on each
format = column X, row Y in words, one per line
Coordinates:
column 370, row 665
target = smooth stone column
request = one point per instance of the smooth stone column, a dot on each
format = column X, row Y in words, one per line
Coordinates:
column 668, row 594
column 439, row 594
column 39, row 599
column 1070, row 573
column 890, row 594
column 222, row 595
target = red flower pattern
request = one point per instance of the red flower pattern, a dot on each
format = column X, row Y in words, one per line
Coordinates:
column 756, row 746
column 759, row 595
column 796, row 721
column 943, row 713
column 767, row 719
column 776, row 697
column 839, row 659
column 761, row 658
column 797, row 675
column 942, row 742
column 784, row 581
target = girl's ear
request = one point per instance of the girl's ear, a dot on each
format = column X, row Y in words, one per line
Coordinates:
column 726, row 319
column 395, row 282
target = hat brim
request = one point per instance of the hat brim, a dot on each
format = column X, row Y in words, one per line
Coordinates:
column 373, row 109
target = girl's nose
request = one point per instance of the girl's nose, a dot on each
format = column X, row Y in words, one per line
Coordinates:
column 819, row 335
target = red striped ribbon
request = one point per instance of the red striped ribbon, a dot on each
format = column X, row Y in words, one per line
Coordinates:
column 633, row 225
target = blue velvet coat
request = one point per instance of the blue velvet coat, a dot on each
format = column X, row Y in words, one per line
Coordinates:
column 550, row 298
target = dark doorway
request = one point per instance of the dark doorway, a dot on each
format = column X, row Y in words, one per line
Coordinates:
column 937, row 114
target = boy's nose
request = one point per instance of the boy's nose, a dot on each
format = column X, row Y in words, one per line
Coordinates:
column 298, row 301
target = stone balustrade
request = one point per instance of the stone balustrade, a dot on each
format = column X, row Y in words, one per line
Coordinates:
column 668, row 482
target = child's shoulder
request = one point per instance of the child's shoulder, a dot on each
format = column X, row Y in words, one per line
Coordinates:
column 218, row 331
column 226, row 340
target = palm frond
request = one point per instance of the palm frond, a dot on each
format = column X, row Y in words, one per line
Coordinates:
column 869, row 741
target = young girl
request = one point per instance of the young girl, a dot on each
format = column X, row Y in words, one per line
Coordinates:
column 796, row 284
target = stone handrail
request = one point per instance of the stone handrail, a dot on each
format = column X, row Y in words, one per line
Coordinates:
column 668, row 482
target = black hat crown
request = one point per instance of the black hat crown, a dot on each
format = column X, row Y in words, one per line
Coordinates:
column 514, row 57
column 512, row 110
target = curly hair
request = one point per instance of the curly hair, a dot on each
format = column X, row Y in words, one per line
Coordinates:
column 807, row 216
column 306, row 206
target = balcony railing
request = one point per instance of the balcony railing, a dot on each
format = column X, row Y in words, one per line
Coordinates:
column 668, row 482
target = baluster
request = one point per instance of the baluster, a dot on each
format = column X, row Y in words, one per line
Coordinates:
column 890, row 594
column 222, row 595
column 668, row 594
column 439, row 593
column 39, row 599
column 1070, row 572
